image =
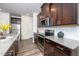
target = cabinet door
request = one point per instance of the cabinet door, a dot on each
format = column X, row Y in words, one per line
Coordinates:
column 74, row 15
column 11, row 51
column 59, row 53
column 16, row 47
column 59, row 13
column 64, row 13
column 35, row 38
column 68, row 14
column 45, row 9
column 54, row 13
column 38, row 20
column 49, row 48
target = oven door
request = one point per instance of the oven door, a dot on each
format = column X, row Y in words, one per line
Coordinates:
column 41, row 40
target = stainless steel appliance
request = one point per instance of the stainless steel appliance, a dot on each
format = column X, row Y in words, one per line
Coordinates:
column 46, row 22
column 40, row 42
column 15, row 28
column 16, row 25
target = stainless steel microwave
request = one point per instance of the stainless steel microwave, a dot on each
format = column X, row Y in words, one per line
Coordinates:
column 46, row 22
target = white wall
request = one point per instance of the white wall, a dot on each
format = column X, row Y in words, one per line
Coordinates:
column 35, row 22
column 27, row 27
column 4, row 18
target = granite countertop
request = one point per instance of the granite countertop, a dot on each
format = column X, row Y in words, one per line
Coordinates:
column 5, row 44
column 69, row 43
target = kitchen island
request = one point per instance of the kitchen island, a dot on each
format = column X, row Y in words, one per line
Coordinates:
column 9, row 45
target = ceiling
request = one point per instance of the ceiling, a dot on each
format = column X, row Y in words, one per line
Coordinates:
column 20, row 8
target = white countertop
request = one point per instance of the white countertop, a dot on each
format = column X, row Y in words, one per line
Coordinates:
column 72, row 44
column 6, row 43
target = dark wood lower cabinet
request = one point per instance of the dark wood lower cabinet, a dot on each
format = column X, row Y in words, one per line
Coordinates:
column 58, row 52
column 48, row 48
column 11, row 51
column 35, row 38
column 16, row 47
column 49, row 51
column 53, row 49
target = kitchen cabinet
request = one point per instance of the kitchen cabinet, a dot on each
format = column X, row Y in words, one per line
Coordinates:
column 35, row 38
column 69, row 13
column 59, row 53
column 64, row 13
column 54, row 13
column 45, row 10
column 53, row 49
column 11, row 51
column 45, row 13
column 54, row 46
column 17, row 45
column 39, row 18
column 14, row 48
column 48, row 48
column 59, row 13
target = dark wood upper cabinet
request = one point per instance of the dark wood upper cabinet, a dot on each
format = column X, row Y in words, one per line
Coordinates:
column 45, row 10
column 54, row 13
column 39, row 17
column 69, row 13
column 60, row 13
column 64, row 13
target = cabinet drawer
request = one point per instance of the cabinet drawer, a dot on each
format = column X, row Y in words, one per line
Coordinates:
column 59, row 47
column 59, row 53
column 63, row 49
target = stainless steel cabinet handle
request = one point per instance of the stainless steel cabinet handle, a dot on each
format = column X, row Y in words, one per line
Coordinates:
column 60, row 48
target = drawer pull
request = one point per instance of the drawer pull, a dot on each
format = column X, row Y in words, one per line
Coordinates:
column 59, row 48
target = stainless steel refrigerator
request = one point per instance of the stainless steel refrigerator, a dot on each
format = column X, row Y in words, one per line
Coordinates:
column 16, row 27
